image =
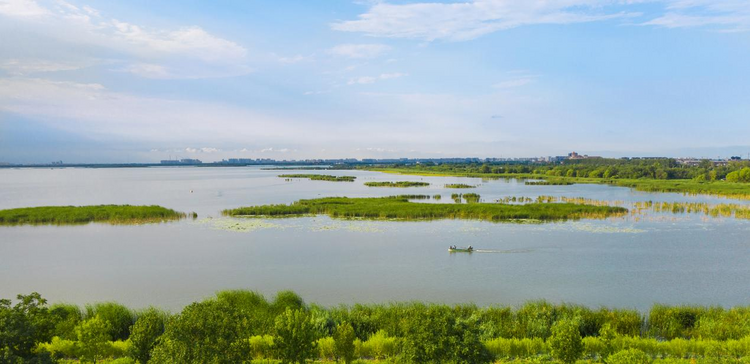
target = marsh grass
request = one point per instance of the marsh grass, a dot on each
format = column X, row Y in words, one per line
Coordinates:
column 459, row 185
column 400, row 208
column 397, row 184
column 320, row 177
column 71, row 215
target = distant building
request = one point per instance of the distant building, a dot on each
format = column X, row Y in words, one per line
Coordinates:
column 574, row 155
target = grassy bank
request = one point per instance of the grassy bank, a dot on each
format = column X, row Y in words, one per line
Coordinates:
column 243, row 326
column 397, row 184
column 320, row 177
column 400, row 208
column 112, row 214
column 685, row 186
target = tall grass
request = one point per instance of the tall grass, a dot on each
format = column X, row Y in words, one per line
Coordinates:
column 113, row 214
column 397, row 184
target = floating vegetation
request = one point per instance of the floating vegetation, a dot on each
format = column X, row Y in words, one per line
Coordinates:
column 241, row 225
column 397, row 184
column 459, row 185
column 320, row 177
column 71, row 215
column 437, row 197
column 399, row 208
column 517, row 199
column 359, row 228
column 549, row 183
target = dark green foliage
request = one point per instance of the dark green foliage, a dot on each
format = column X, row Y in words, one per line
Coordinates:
column 23, row 325
column 66, row 317
column 320, row 177
column 295, row 337
column 117, row 317
column 397, row 184
column 344, row 342
column 114, row 214
column 436, row 335
column 671, row 322
column 630, row 356
column 287, row 300
column 144, row 334
column 399, row 207
column 566, row 343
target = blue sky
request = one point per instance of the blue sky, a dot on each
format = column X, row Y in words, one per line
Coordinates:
column 115, row 81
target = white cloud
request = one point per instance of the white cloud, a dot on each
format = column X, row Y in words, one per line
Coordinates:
column 725, row 15
column 22, row 9
column 359, row 50
column 364, row 80
column 186, row 52
column 468, row 20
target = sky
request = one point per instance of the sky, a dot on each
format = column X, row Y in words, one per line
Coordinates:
column 141, row 80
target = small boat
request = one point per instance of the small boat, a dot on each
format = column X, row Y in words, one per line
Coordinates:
column 468, row 249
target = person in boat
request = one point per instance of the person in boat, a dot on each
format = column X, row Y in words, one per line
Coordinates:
column 470, row 248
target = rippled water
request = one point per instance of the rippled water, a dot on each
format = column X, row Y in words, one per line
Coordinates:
column 625, row 262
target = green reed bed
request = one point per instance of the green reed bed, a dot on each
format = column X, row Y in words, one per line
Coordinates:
column 459, row 185
column 397, row 184
column 320, row 177
column 113, row 214
column 548, row 183
column 400, row 208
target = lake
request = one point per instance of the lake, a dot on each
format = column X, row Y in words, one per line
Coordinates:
column 622, row 262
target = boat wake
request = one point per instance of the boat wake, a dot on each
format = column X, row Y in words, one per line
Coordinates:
column 511, row 251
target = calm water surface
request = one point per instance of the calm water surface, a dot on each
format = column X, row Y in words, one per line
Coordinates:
column 625, row 262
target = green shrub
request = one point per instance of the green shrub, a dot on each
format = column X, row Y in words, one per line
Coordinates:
column 381, row 346
column 261, row 347
column 117, row 317
column 93, row 339
column 326, row 348
column 565, row 342
column 66, row 318
column 344, row 342
column 295, row 339
column 630, row 356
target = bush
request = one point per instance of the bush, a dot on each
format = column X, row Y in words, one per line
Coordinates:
column 295, row 337
column 66, row 317
column 261, row 347
column 93, row 339
column 117, row 317
column 566, row 343
column 344, row 342
column 630, row 356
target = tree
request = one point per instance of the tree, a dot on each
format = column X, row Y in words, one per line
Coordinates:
column 211, row 331
column 144, row 333
column 93, row 339
column 118, row 317
column 566, row 342
column 344, row 342
column 23, row 326
column 295, row 337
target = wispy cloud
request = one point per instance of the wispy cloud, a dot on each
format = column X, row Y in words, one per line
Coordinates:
column 469, row 20
column 359, row 50
column 724, row 15
column 364, row 80
column 185, row 52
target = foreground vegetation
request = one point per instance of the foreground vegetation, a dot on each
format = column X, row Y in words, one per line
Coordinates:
column 113, row 214
column 320, row 177
column 397, row 184
column 399, row 207
column 651, row 175
column 244, row 327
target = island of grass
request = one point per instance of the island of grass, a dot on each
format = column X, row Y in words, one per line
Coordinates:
column 459, row 185
column 400, row 208
column 397, row 184
column 69, row 215
column 549, row 183
column 320, row 177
